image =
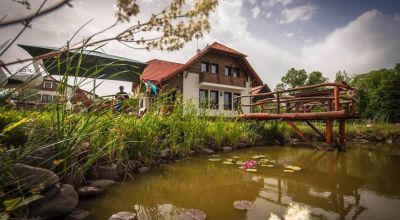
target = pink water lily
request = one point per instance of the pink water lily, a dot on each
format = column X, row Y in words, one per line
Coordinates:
column 249, row 164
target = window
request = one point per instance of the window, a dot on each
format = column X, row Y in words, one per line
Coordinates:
column 228, row 71
column 204, row 67
column 214, row 68
column 227, row 101
column 47, row 98
column 236, row 72
column 47, row 85
column 203, row 98
column 235, row 101
column 214, row 99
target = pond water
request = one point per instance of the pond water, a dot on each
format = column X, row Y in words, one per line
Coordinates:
column 363, row 183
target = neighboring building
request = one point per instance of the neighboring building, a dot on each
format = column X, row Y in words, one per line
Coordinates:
column 215, row 75
column 48, row 92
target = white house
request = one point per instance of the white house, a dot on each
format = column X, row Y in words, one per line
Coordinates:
column 215, row 75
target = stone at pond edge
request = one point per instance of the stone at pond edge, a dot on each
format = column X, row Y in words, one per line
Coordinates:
column 123, row 216
column 226, row 149
column 108, row 172
column 102, row 184
column 144, row 170
column 55, row 204
column 33, row 177
column 85, row 191
column 207, row 150
column 78, row 214
column 243, row 205
column 192, row 214
column 165, row 154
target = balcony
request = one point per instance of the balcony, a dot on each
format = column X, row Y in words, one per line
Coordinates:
column 222, row 79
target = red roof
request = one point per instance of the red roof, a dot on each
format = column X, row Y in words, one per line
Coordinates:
column 158, row 70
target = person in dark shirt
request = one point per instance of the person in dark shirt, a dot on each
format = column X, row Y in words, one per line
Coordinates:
column 119, row 98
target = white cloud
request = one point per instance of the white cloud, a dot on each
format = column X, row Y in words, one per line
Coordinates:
column 299, row 13
column 253, row 2
column 271, row 3
column 288, row 35
column 255, row 11
column 268, row 15
column 370, row 41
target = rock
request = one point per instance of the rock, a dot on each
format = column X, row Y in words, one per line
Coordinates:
column 137, row 163
column 102, row 184
column 226, row 149
column 75, row 177
column 163, row 165
column 208, row 150
column 123, row 216
column 192, row 214
column 242, row 145
column 86, row 191
column 379, row 138
column 192, row 152
column 78, row 214
column 108, row 172
column 53, row 205
column 30, row 177
column 123, row 169
column 144, row 170
column 165, row 154
column 92, row 174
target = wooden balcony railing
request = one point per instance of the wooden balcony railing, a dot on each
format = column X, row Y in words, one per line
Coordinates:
column 222, row 79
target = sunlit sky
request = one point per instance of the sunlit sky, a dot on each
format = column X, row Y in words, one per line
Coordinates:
column 328, row 35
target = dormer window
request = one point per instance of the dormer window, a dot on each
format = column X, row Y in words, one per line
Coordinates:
column 236, row 72
column 204, row 67
column 214, row 68
column 47, row 85
column 228, row 71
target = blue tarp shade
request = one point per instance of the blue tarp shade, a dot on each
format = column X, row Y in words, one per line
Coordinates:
column 118, row 68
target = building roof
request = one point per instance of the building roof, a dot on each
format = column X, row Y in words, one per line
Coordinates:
column 110, row 66
column 52, row 79
column 159, row 71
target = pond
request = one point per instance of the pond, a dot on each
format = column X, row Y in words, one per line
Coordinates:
column 363, row 183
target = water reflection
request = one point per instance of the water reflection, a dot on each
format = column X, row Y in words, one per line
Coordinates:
column 361, row 184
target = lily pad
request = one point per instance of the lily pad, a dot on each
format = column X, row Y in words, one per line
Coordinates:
column 243, row 205
column 295, row 168
column 270, row 165
column 228, row 162
column 236, row 157
column 215, row 155
column 251, row 170
column 288, row 171
column 192, row 214
column 214, row 159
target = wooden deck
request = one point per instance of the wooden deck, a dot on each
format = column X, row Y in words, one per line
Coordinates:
column 322, row 102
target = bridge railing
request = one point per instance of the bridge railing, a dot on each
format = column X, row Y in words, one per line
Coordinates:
column 324, row 97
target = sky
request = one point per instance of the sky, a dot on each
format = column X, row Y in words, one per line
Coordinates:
column 276, row 35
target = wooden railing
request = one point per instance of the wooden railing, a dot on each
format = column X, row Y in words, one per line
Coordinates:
column 331, row 98
column 222, row 79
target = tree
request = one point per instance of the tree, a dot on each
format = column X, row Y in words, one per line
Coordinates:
column 295, row 78
column 280, row 86
column 315, row 77
column 342, row 77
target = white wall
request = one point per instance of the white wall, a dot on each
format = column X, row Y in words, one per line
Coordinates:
column 191, row 88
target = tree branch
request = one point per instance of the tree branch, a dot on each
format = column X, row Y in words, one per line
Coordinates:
column 34, row 15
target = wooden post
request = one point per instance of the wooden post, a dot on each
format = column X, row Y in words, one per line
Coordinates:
column 278, row 104
column 336, row 97
column 342, row 135
column 329, row 132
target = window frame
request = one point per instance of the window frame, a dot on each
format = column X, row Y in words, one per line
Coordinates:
column 214, row 65
column 229, row 68
column 235, row 103
column 47, row 82
column 206, row 66
column 236, row 74
column 49, row 98
column 229, row 105
column 204, row 103
column 216, row 104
